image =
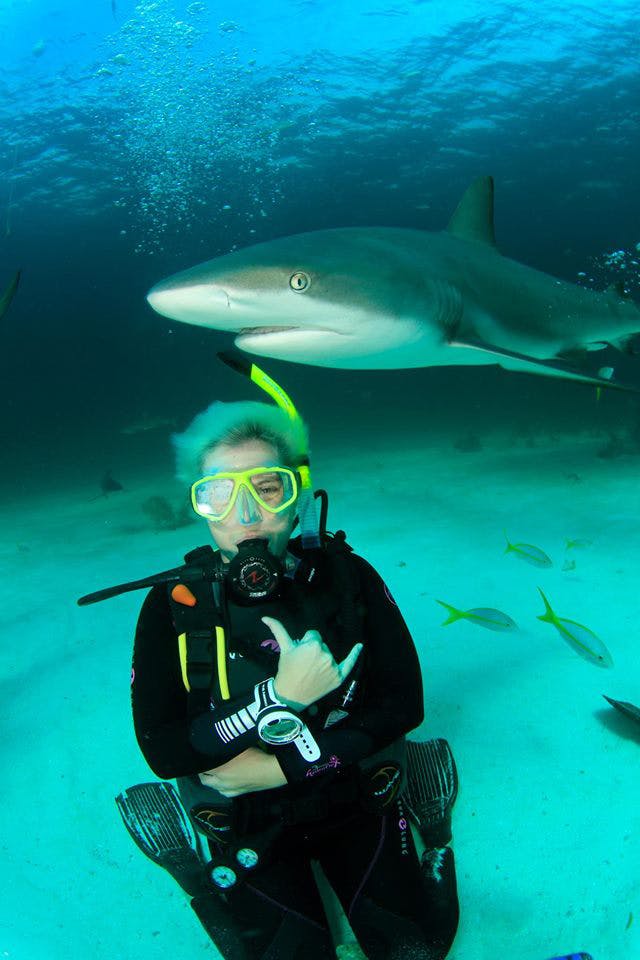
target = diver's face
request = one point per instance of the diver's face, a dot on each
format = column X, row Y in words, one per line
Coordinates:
column 248, row 518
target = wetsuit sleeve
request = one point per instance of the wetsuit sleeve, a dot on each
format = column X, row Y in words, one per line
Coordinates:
column 158, row 696
column 173, row 743
column 391, row 700
column 225, row 732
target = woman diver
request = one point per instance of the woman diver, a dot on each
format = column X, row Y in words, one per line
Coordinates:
column 275, row 679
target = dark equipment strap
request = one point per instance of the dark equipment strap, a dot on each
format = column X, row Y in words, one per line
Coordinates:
column 199, row 624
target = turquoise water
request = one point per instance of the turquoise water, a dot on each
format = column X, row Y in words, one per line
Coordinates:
column 139, row 139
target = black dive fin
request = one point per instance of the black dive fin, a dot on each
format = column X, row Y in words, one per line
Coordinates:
column 629, row 709
column 551, row 367
column 431, row 789
column 156, row 820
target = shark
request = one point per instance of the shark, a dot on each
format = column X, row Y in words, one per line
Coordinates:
column 371, row 298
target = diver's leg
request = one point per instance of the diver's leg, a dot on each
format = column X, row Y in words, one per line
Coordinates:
column 278, row 910
column 397, row 907
column 249, row 926
column 400, row 903
column 276, row 915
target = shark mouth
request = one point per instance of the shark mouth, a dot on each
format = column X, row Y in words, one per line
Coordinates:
column 257, row 331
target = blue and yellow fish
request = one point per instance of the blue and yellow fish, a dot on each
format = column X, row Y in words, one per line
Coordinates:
column 530, row 554
column 482, row 616
column 584, row 641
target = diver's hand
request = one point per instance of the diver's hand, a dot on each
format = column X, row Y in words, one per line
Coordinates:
column 251, row 770
column 306, row 669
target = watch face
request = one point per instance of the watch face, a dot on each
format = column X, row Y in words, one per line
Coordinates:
column 247, row 858
column 223, row 876
column 281, row 728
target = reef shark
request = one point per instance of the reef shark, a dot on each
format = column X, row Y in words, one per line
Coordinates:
column 391, row 298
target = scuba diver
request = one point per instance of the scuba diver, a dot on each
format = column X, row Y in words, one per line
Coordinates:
column 275, row 679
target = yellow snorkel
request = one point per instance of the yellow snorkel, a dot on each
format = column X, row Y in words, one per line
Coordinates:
column 307, row 515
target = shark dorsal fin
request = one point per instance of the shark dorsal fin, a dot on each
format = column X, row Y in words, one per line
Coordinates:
column 473, row 217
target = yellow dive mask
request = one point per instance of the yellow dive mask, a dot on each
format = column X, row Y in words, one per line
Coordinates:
column 272, row 488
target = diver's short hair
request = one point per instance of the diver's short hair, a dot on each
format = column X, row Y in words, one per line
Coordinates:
column 234, row 423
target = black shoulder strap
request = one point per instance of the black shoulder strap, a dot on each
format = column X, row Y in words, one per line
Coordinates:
column 196, row 610
column 346, row 579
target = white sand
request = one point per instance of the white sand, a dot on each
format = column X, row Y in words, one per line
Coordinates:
column 547, row 821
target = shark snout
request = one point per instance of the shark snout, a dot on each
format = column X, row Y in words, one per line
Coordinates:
column 193, row 304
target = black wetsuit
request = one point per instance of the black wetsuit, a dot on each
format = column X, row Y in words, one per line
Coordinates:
column 396, row 909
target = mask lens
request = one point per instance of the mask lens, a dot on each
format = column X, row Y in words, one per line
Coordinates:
column 272, row 489
column 212, row 496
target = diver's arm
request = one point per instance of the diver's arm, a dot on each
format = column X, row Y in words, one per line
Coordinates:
column 250, row 771
column 390, row 703
column 173, row 744
column 231, row 727
column 393, row 702
column 306, row 673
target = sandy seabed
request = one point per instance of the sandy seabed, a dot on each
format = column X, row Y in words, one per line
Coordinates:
column 546, row 827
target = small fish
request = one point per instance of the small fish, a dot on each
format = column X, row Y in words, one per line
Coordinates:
column 584, row 641
column 482, row 616
column 629, row 709
column 146, row 424
column 9, row 293
column 577, row 543
column 109, row 484
column 530, row 554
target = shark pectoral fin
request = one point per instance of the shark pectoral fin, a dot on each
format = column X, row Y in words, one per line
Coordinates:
column 629, row 344
column 512, row 360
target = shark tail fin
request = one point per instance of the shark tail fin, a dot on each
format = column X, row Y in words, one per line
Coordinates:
column 473, row 217
column 454, row 614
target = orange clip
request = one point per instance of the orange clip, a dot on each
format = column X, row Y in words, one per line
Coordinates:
column 182, row 594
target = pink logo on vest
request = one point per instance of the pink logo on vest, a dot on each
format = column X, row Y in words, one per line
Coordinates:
column 332, row 764
column 272, row 644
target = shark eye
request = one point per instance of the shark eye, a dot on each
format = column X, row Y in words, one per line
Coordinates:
column 299, row 281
